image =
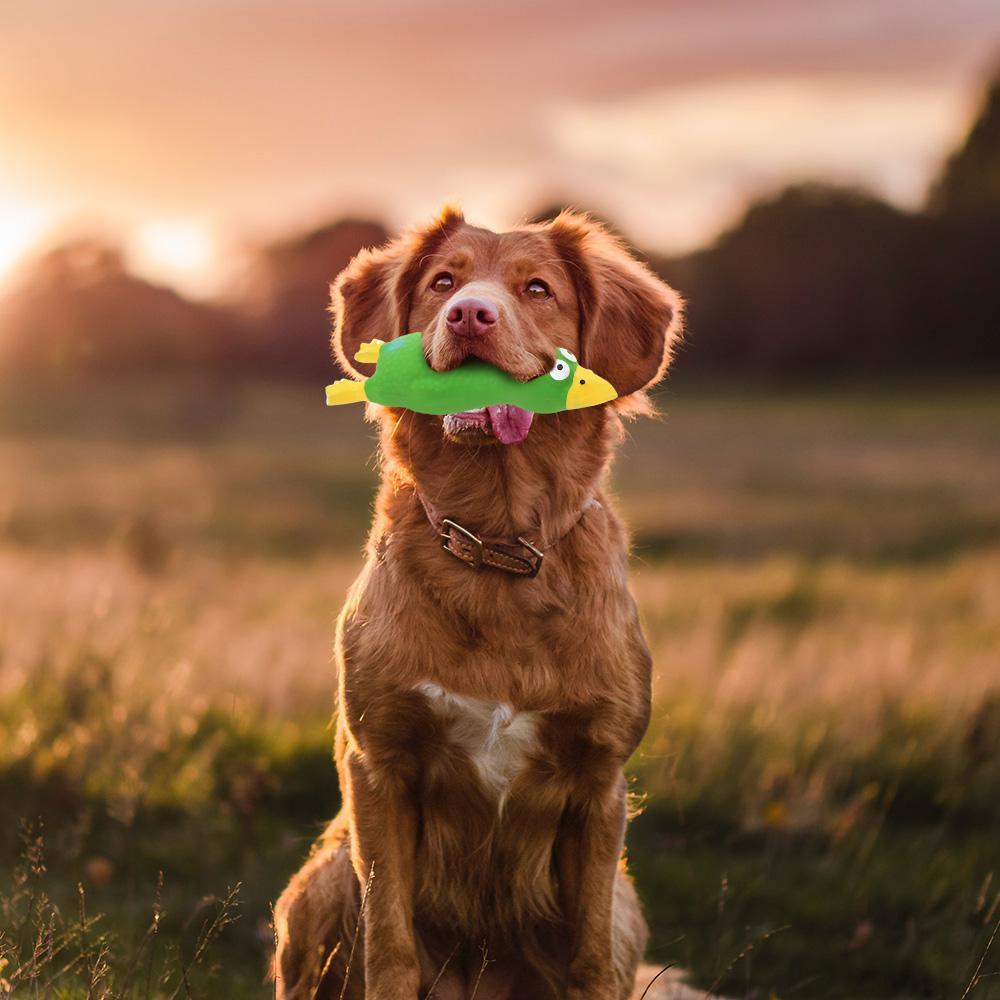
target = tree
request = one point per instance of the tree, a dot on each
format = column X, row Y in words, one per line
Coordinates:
column 970, row 180
column 77, row 308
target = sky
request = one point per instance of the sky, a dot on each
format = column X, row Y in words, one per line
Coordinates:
column 186, row 128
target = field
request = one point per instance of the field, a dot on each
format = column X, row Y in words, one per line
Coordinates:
column 819, row 574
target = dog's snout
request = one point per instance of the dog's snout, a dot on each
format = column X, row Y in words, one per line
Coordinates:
column 470, row 317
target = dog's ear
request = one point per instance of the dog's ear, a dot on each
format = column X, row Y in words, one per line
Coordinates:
column 630, row 319
column 371, row 297
column 363, row 304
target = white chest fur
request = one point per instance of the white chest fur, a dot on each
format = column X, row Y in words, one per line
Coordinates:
column 497, row 739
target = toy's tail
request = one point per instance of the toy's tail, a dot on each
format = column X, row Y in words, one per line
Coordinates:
column 367, row 353
column 345, row 390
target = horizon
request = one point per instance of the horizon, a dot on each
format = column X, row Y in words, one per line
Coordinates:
column 674, row 121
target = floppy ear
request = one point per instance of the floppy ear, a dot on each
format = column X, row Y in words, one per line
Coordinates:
column 630, row 320
column 371, row 297
column 363, row 303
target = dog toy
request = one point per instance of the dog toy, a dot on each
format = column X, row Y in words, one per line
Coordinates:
column 404, row 379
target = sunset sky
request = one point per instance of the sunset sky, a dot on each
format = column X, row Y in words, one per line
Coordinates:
column 188, row 126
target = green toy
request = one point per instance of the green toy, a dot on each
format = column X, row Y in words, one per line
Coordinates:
column 404, row 379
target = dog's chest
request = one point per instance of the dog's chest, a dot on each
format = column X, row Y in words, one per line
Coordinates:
column 498, row 741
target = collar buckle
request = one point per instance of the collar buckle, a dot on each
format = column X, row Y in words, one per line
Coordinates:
column 474, row 541
column 470, row 549
column 539, row 555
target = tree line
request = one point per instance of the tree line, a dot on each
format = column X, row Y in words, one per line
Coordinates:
column 817, row 280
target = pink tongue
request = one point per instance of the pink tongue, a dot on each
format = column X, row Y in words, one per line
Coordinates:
column 510, row 423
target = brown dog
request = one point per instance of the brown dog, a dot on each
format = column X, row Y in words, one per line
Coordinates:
column 490, row 694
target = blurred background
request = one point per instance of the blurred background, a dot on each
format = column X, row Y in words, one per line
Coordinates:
column 816, row 511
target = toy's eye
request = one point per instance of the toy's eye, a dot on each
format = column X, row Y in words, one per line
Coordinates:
column 537, row 289
column 444, row 282
column 568, row 355
column 560, row 370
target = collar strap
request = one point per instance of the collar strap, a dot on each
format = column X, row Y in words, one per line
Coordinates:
column 519, row 557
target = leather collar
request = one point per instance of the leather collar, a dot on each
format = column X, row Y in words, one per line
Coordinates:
column 519, row 557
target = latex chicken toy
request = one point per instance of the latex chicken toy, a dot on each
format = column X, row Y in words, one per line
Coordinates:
column 403, row 378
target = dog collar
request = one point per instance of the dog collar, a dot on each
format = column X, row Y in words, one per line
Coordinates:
column 519, row 557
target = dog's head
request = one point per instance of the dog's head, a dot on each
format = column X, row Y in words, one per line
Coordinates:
column 510, row 299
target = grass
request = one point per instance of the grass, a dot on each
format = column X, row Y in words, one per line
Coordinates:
column 819, row 574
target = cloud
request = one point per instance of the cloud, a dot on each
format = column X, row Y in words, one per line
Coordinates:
column 263, row 115
column 697, row 152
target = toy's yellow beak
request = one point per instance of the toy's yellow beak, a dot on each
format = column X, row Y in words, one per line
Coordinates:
column 588, row 389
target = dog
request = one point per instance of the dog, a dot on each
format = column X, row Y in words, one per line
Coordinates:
column 493, row 675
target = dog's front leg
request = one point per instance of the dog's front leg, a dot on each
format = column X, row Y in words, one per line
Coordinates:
column 588, row 852
column 383, row 837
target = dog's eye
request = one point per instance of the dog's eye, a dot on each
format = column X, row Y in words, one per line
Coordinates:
column 560, row 370
column 537, row 289
column 444, row 282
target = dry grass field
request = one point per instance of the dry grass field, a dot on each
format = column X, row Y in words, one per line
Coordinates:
column 818, row 797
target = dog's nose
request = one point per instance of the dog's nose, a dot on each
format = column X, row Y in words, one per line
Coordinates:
column 472, row 317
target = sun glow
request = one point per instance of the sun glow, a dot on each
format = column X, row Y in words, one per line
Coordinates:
column 180, row 253
column 22, row 227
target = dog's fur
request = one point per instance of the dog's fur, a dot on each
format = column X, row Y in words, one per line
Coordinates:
column 484, row 719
